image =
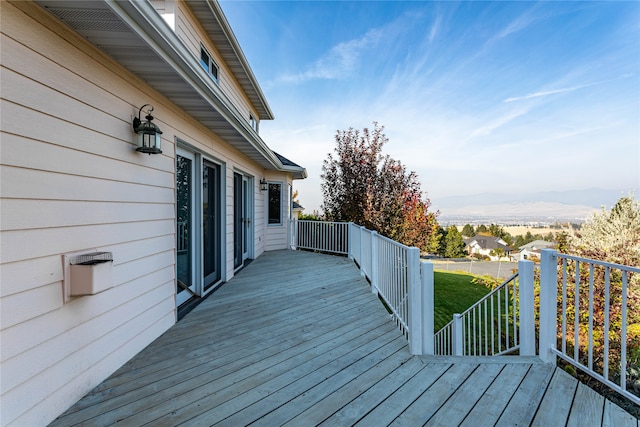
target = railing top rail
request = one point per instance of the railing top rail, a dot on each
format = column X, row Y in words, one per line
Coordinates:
column 393, row 242
column 600, row 263
column 320, row 221
column 445, row 327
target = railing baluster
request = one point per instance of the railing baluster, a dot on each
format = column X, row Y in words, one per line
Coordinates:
column 564, row 305
column 623, row 334
column 576, row 316
column 607, row 309
column 506, row 317
column 493, row 339
column 499, row 322
column 590, row 329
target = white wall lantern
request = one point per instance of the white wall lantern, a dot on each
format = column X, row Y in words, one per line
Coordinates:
column 147, row 133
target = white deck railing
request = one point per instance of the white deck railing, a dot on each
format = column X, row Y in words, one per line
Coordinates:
column 596, row 339
column 394, row 271
column 331, row 237
column 400, row 280
column 503, row 322
column 500, row 323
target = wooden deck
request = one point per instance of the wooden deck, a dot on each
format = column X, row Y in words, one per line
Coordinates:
column 298, row 339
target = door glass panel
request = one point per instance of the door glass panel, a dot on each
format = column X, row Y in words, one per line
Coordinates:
column 184, row 213
column 246, row 218
column 211, row 222
column 237, row 220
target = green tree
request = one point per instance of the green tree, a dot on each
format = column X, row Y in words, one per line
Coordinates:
column 454, row 245
column 439, row 239
column 468, row 230
column 498, row 231
column 482, row 229
column 362, row 185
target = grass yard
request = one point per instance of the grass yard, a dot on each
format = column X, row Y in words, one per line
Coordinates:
column 454, row 293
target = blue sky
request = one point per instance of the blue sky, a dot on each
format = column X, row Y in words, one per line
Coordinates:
column 501, row 97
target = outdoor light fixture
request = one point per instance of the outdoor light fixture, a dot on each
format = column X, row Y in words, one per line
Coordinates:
column 148, row 138
column 264, row 185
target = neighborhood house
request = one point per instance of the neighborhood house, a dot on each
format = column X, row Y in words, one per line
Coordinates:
column 134, row 182
column 492, row 247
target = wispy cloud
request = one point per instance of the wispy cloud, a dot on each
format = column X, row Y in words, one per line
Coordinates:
column 344, row 59
column 498, row 122
column 548, row 92
column 435, row 28
column 518, row 24
column 339, row 62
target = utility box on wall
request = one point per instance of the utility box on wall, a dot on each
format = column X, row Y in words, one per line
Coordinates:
column 90, row 273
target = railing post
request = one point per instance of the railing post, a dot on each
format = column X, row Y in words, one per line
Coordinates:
column 527, row 316
column 548, row 304
column 458, row 339
column 415, row 301
column 360, row 258
column 349, row 240
column 426, row 270
column 374, row 262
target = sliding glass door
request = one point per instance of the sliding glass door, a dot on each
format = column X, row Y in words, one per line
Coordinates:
column 199, row 221
column 242, row 218
column 185, row 221
column 211, row 223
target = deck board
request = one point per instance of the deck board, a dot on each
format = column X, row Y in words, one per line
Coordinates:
column 298, row 339
column 556, row 403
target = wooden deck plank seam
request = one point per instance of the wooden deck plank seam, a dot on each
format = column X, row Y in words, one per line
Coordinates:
column 259, row 353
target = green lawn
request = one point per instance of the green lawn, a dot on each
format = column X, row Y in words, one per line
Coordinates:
column 454, row 293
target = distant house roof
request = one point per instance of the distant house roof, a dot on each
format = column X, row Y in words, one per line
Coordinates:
column 285, row 161
column 487, row 242
column 296, row 170
column 297, row 205
column 537, row 245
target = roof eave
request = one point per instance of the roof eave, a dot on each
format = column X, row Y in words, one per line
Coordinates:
column 145, row 23
column 216, row 10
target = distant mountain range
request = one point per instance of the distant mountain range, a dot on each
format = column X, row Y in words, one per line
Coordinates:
column 549, row 205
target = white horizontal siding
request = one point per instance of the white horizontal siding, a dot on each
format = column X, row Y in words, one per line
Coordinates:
column 18, row 370
column 82, row 362
column 26, row 336
column 58, row 187
column 71, row 181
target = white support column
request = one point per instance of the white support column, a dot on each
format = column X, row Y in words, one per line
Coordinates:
column 426, row 270
column 548, row 304
column 294, row 229
column 415, row 301
column 458, row 335
column 527, row 316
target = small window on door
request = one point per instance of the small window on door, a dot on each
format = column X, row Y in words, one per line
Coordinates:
column 208, row 64
column 275, row 203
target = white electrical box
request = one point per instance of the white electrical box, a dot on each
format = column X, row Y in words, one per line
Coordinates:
column 90, row 273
